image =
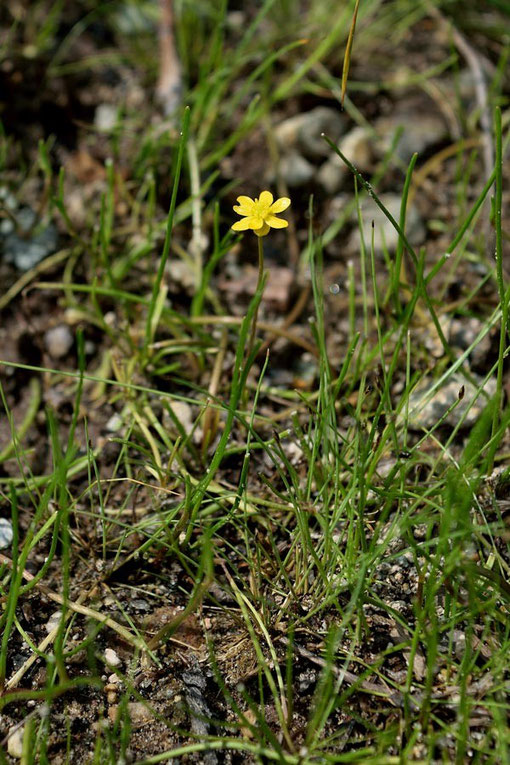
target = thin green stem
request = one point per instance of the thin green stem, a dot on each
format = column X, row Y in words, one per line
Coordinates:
column 259, row 282
column 503, row 293
column 150, row 329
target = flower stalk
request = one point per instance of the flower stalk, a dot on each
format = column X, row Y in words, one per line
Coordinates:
column 259, row 284
column 260, row 216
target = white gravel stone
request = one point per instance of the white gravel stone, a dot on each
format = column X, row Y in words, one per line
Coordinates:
column 5, row 533
column 53, row 621
column 114, row 424
column 184, row 414
column 59, row 341
column 105, row 117
column 111, row 657
column 15, row 742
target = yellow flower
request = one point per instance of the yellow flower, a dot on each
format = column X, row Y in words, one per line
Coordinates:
column 259, row 214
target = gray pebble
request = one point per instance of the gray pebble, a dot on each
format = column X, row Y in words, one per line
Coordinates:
column 6, row 533
column 385, row 235
column 422, row 129
column 463, row 333
column 427, row 406
column 303, row 132
column 331, row 174
column 26, row 252
column 296, row 170
column 356, row 147
column 140, row 604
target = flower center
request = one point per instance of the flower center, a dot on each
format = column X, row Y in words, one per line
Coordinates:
column 260, row 209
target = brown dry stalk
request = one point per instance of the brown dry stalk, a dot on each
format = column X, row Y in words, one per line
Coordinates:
column 169, row 85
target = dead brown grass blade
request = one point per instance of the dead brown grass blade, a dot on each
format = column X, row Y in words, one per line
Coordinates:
column 347, row 57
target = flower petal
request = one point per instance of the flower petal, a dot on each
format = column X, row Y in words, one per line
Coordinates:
column 246, row 202
column 280, row 205
column 241, row 225
column 263, row 231
column 266, row 198
column 253, row 221
column 275, row 222
column 242, row 210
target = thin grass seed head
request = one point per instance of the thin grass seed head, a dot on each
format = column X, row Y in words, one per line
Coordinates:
column 259, row 214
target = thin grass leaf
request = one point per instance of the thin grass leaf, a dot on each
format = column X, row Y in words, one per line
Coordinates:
column 347, row 56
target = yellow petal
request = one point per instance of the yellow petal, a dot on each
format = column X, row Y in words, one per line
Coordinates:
column 242, row 210
column 253, row 221
column 246, row 202
column 280, row 205
column 241, row 225
column 266, row 198
column 275, row 222
column 263, row 231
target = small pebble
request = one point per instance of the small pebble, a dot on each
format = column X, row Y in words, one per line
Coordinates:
column 112, row 658
column 356, row 147
column 296, row 170
column 105, row 117
column 463, row 333
column 32, row 245
column 332, row 174
column 183, row 412
column 138, row 712
column 140, row 604
column 53, row 621
column 15, row 741
column 236, row 21
column 385, row 235
column 59, row 341
column 428, row 403
column 304, row 131
column 114, row 423
column 423, row 128
column 5, row 533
